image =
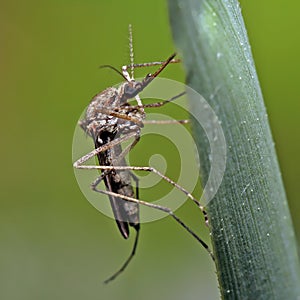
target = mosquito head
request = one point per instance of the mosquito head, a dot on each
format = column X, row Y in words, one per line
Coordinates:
column 130, row 89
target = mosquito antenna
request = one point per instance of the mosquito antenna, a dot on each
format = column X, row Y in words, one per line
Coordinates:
column 154, row 63
column 111, row 278
column 113, row 68
column 131, row 54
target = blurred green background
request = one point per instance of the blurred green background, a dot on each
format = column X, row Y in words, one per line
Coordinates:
column 53, row 243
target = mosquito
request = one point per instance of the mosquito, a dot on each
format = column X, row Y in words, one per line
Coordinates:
column 110, row 120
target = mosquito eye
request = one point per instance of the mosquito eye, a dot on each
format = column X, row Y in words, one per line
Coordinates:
column 138, row 86
column 130, row 90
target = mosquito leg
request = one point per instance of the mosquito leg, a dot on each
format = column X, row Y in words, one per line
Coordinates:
column 151, row 64
column 166, row 122
column 139, row 101
column 164, row 209
column 125, row 264
column 115, row 113
column 179, row 187
column 151, row 105
column 161, row 103
column 78, row 163
column 151, row 169
column 140, row 105
column 156, row 104
column 127, row 260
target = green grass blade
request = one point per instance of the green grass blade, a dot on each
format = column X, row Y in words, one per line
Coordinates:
column 252, row 234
